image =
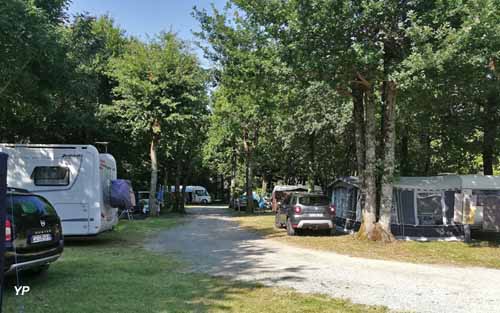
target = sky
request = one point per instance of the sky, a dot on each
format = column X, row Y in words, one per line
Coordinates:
column 143, row 18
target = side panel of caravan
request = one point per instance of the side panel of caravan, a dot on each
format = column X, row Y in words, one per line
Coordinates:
column 70, row 177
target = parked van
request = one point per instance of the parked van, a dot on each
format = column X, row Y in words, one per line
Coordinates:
column 195, row 194
column 76, row 179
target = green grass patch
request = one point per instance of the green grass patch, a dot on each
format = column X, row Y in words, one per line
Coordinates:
column 478, row 253
column 114, row 273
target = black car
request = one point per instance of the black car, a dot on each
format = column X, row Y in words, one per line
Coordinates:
column 33, row 232
column 301, row 210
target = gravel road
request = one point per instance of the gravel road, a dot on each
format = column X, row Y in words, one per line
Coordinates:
column 214, row 244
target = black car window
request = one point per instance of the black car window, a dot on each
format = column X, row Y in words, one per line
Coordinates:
column 29, row 204
column 314, row 200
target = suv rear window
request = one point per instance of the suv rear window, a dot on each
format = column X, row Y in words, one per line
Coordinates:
column 29, row 204
column 314, row 200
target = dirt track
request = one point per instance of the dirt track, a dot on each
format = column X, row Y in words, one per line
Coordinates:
column 214, row 244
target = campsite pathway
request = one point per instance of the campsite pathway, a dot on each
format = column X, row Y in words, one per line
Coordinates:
column 214, row 244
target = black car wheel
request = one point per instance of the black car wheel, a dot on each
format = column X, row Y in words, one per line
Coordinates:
column 289, row 229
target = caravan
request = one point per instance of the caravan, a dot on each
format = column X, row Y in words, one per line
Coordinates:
column 74, row 178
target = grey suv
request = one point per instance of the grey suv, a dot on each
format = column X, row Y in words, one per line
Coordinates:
column 301, row 210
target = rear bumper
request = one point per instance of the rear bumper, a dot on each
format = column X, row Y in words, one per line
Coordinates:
column 22, row 261
column 31, row 264
column 315, row 224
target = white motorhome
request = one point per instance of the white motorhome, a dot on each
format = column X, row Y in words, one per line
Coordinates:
column 195, row 194
column 74, row 178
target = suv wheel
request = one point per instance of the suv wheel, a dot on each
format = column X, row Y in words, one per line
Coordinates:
column 289, row 229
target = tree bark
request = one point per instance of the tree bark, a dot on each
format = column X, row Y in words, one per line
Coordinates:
column 359, row 128
column 264, row 183
column 389, row 146
column 250, row 207
column 426, row 143
column 369, row 211
column 232, row 191
column 249, row 172
column 166, row 189
column 312, row 151
column 178, row 199
column 154, row 177
column 490, row 121
column 359, row 135
column 404, row 159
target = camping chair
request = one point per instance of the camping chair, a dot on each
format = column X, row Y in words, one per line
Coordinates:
column 128, row 212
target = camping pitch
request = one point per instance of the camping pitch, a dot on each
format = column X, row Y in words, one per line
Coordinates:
column 435, row 207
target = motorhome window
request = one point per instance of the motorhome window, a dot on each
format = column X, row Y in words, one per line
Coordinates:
column 50, row 176
column 429, row 208
column 200, row 192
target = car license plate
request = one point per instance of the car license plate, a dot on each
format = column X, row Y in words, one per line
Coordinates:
column 316, row 215
column 41, row 238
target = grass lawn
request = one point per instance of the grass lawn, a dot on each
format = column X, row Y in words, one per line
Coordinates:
column 113, row 273
column 479, row 253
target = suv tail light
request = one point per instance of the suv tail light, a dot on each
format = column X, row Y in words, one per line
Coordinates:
column 297, row 209
column 332, row 209
column 8, row 230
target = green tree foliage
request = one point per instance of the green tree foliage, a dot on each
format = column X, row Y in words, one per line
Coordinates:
column 160, row 93
column 420, row 78
column 245, row 63
column 76, row 80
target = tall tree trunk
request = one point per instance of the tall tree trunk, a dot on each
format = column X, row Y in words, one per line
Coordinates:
column 404, row 159
column 222, row 194
column 249, row 171
column 232, row 191
column 154, row 177
column 359, row 133
column 490, row 121
column 312, row 161
column 264, row 183
column 185, row 178
column 426, row 142
column 389, row 146
column 166, row 189
column 370, row 205
column 250, row 207
column 178, row 199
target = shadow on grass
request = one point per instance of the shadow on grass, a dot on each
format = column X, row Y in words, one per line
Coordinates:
column 482, row 239
column 113, row 273
column 217, row 246
column 105, row 274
